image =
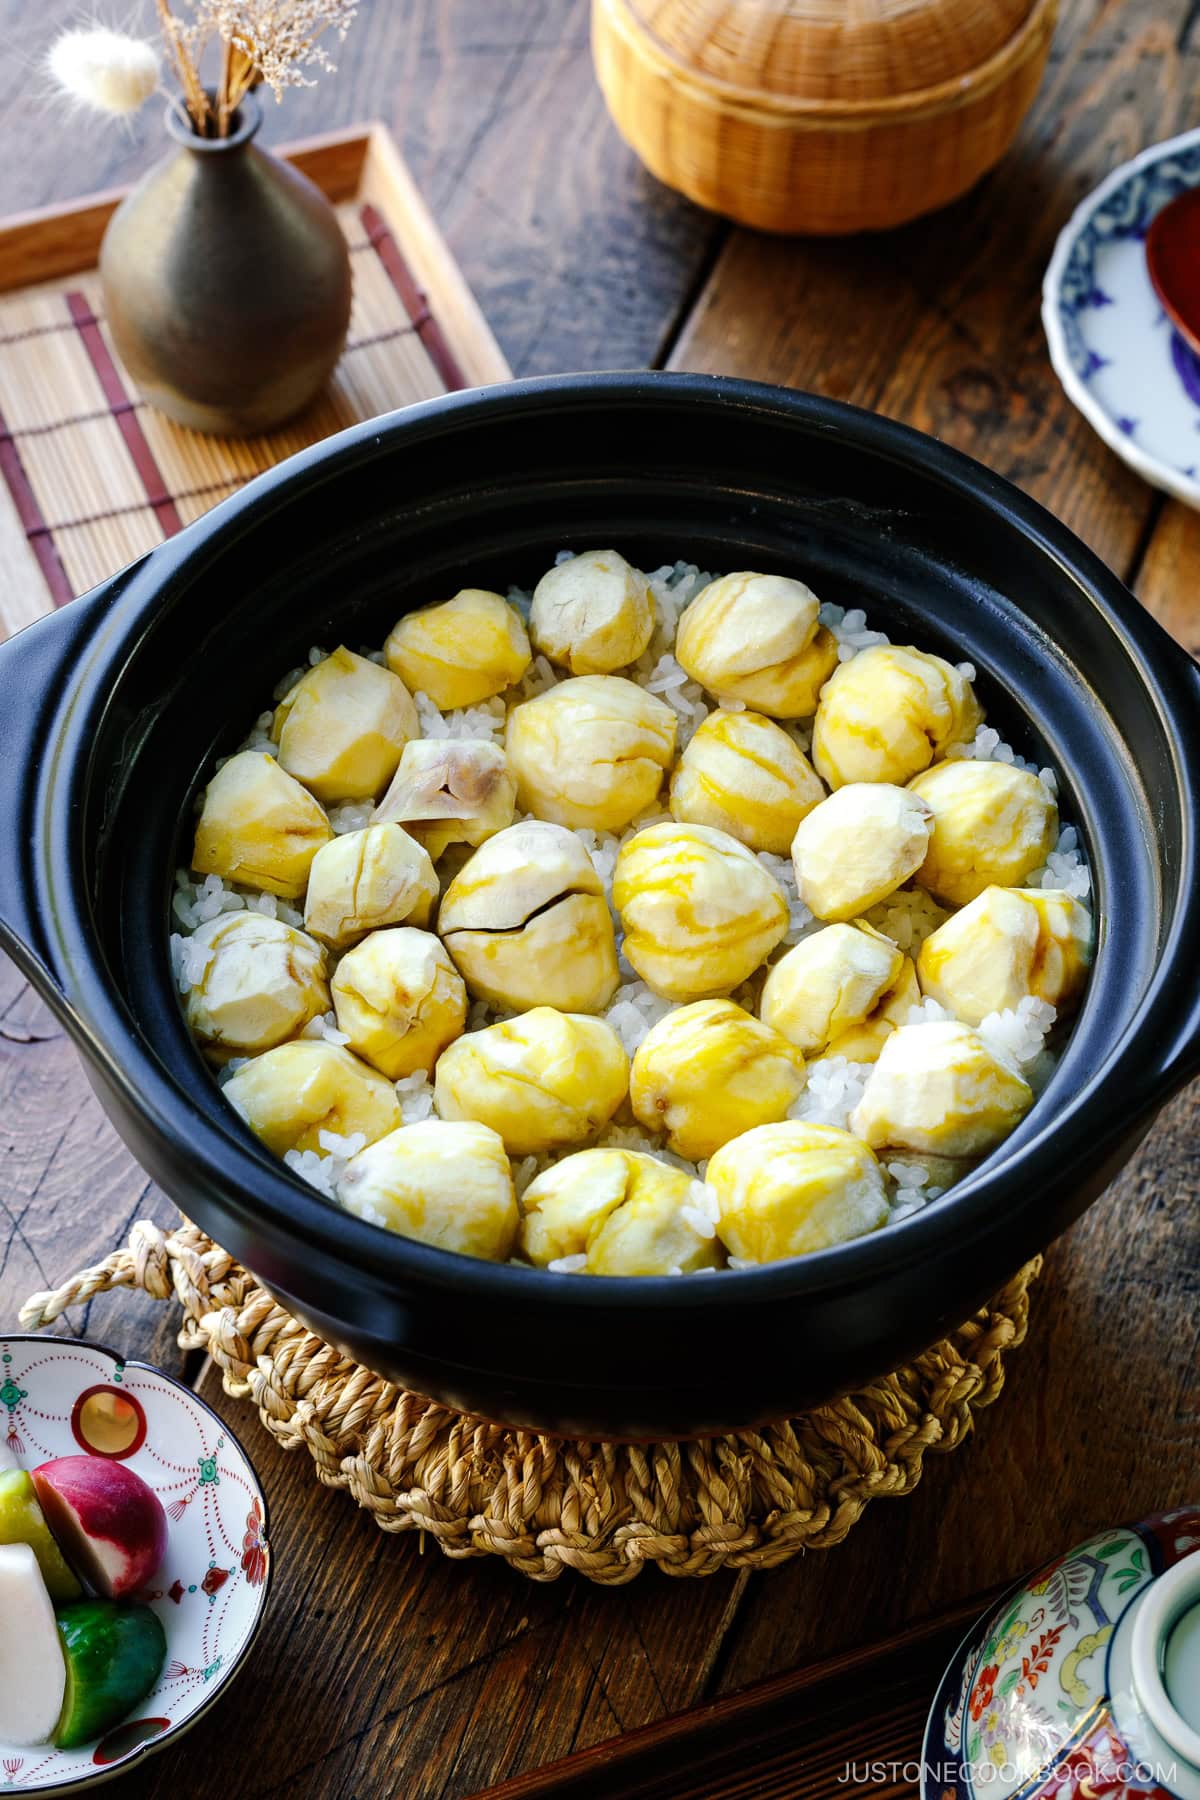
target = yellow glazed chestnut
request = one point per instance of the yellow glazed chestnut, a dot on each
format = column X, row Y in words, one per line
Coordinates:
column 341, row 729
column 253, row 982
column 888, row 713
column 863, row 1042
column 593, row 613
column 857, row 847
column 938, row 1088
column 365, row 879
column 259, row 826
column 543, row 1080
column 527, row 923
column 742, row 774
column 708, row 1072
column 700, row 912
column 450, row 791
column 1006, row 944
column 443, row 1184
column 399, row 1000
column 789, row 1189
column 460, row 652
column 993, row 825
column 290, row 1095
column 590, row 752
column 757, row 638
column 623, row 1212
column 828, row 984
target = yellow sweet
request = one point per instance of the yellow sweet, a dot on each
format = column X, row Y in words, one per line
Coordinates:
column 593, row 613
column 365, row 879
column 543, row 1080
column 1006, row 944
column 259, row 826
column 444, row 1184
column 789, row 1189
column 863, row 1042
column 742, row 774
column 341, row 729
column 888, row 713
column 828, row 984
column 527, row 923
column 857, row 847
column 590, row 752
column 757, row 638
column 400, row 1000
column 993, row 824
column 627, row 1213
column 460, row 652
column 260, row 983
column 290, row 1095
column 938, row 1088
column 708, row 1072
column 700, row 912
column 450, row 791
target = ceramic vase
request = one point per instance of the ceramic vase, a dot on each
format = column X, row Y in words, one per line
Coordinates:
column 1084, row 1683
column 226, row 282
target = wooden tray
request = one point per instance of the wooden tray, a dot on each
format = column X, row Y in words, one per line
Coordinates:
column 92, row 477
column 851, row 1725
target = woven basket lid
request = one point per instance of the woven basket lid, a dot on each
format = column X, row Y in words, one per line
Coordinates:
column 839, row 51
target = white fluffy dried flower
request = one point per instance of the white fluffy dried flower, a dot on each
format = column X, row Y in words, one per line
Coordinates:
column 109, row 71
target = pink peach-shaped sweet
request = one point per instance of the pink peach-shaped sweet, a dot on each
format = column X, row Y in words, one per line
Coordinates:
column 109, row 1525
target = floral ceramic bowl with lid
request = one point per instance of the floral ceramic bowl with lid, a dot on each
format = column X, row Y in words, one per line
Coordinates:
column 1084, row 1682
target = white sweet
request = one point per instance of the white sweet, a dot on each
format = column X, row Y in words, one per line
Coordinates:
column 33, row 1673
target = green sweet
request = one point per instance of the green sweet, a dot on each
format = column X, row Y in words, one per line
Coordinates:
column 22, row 1521
column 114, row 1655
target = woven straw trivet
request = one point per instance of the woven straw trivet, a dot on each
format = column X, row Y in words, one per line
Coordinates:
column 751, row 1500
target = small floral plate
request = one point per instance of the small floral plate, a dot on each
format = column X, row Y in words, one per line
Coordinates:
column 1045, row 1699
column 1113, row 348
column 59, row 1397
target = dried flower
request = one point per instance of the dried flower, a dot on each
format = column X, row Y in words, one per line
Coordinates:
column 106, row 70
column 271, row 41
column 276, row 40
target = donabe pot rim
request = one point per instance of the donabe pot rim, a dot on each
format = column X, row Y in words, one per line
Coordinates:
column 263, row 1191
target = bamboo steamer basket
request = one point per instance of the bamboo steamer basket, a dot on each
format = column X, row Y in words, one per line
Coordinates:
column 823, row 116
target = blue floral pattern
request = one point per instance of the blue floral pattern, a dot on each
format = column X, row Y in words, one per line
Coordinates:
column 1126, row 213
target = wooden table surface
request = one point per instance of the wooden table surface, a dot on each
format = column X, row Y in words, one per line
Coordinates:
column 386, row 1672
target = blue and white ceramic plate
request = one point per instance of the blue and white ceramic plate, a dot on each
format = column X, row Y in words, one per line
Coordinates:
column 1113, row 348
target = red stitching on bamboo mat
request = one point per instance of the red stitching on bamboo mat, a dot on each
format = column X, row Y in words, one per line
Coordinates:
column 370, row 342
column 128, row 423
column 415, row 303
column 32, row 521
column 137, row 506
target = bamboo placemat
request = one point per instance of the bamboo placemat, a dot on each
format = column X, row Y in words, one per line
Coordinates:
column 91, row 477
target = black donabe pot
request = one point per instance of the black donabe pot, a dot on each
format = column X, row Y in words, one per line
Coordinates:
column 114, row 708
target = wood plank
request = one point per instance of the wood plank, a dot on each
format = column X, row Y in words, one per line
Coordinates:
column 938, row 323
column 69, row 1190
column 391, row 1671
column 576, row 256
column 1100, row 1422
column 1168, row 580
column 388, row 1672
column 803, row 1733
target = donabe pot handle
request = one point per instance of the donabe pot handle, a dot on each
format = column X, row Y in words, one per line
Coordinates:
column 36, row 668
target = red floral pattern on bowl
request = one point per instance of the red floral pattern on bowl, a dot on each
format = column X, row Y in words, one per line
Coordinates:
column 58, row 1396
